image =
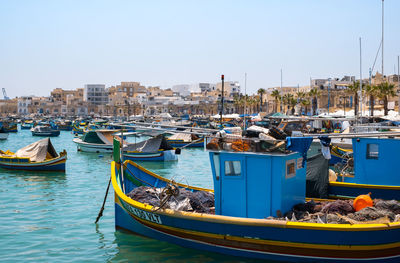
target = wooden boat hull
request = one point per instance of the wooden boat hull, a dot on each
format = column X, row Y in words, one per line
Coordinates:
column 258, row 238
column 56, row 164
column 160, row 156
column 181, row 143
column 351, row 190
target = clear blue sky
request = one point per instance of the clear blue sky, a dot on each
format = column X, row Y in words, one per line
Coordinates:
column 66, row 44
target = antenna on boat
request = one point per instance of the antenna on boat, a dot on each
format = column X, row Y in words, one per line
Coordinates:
column 245, row 110
column 360, row 95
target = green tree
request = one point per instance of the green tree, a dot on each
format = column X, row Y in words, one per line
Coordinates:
column 314, row 94
column 386, row 90
column 372, row 91
column 261, row 93
column 305, row 103
column 277, row 96
column 354, row 89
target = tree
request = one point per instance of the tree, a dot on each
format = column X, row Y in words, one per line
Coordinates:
column 261, row 93
column 305, row 103
column 386, row 90
column 372, row 91
column 354, row 89
column 314, row 94
column 277, row 96
column 236, row 102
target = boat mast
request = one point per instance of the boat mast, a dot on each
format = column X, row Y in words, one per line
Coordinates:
column 245, row 110
column 360, row 92
column 382, row 36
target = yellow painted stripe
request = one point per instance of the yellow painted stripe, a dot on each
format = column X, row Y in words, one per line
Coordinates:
column 353, row 185
column 247, row 221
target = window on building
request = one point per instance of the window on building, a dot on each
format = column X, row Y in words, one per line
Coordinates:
column 233, row 168
column 372, row 151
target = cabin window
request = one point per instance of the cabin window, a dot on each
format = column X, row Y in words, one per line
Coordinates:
column 290, row 168
column 233, row 168
column 372, row 151
column 216, row 166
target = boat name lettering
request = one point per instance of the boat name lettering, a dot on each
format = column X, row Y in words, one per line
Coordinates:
column 144, row 215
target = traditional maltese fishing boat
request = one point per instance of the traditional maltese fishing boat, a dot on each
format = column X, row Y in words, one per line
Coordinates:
column 38, row 156
column 254, row 189
column 153, row 149
column 96, row 141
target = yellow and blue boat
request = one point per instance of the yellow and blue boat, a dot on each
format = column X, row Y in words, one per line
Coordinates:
column 38, row 156
column 248, row 188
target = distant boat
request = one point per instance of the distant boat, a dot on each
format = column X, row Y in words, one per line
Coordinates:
column 38, row 156
column 46, row 131
column 3, row 134
column 185, row 140
column 96, row 141
column 154, row 149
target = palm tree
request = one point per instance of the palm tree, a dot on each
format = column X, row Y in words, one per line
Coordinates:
column 386, row 90
column 261, row 93
column 314, row 94
column 277, row 96
column 305, row 103
column 372, row 91
column 236, row 102
column 353, row 89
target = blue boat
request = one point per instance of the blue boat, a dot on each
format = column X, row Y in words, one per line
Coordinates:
column 375, row 170
column 154, row 149
column 38, row 156
column 249, row 188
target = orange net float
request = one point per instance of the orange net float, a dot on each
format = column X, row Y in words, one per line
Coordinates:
column 240, row 146
column 362, row 201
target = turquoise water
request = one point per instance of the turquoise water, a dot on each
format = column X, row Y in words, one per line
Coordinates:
column 49, row 217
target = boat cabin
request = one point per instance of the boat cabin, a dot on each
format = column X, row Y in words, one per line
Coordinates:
column 257, row 185
column 375, row 161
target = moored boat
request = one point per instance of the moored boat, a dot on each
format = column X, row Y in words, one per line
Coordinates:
column 241, row 224
column 153, row 149
column 185, row 140
column 372, row 169
column 45, row 131
column 96, row 141
column 38, row 156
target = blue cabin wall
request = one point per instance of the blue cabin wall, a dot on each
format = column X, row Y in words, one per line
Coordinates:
column 261, row 189
column 382, row 170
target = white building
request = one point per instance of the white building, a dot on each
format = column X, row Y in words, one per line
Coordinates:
column 23, row 103
column 95, row 94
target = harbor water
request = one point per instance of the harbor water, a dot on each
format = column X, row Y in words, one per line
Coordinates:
column 49, row 217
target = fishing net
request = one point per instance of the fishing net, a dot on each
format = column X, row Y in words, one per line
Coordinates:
column 179, row 199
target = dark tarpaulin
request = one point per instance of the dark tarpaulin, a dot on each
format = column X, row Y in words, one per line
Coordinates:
column 317, row 179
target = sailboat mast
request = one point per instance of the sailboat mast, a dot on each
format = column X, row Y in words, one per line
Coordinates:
column 382, row 36
column 360, row 92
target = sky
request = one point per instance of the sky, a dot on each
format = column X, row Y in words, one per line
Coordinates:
column 67, row 44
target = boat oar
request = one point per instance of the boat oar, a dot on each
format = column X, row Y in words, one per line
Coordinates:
column 104, row 203
column 178, row 150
